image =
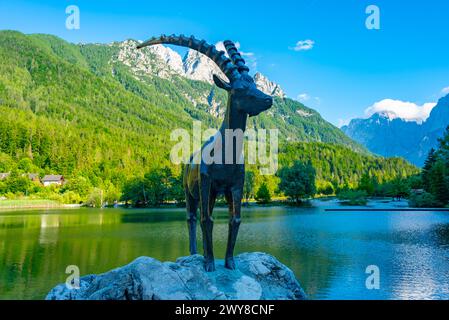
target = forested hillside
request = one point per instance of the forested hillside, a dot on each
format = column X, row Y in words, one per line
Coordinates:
column 340, row 167
column 77, row 111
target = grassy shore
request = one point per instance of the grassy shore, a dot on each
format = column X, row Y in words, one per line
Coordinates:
column 18, row 204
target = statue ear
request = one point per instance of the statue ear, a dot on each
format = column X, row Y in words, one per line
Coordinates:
column 221, row 83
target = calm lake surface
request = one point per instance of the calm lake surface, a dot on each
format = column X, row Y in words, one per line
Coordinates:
column 328, row 251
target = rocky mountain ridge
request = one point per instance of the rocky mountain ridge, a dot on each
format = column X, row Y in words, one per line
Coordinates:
column 162, row 61
column 397, row 137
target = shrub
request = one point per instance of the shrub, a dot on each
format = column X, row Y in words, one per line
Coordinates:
column 326, row 189
column 298, row 181
column 263, row 194
column 424, row 200
column 353, row 197
column 71, row 197
column 95, row 198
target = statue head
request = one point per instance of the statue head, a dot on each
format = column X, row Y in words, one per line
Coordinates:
column 244, row 95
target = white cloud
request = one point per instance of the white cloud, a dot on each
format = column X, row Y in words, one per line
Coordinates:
column 303, row 97
column 304, row 45
column 407, row 111
column 220, row 47
column 247, row 54
column 445, row 90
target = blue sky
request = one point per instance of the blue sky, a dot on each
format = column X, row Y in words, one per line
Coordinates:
column 348, row 69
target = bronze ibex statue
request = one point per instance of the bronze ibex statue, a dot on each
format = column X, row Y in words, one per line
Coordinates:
column 204, row 181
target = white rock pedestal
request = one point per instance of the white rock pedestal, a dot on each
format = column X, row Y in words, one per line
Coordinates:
column 258, row 276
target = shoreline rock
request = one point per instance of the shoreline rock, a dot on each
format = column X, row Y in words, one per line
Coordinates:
column 258, row 276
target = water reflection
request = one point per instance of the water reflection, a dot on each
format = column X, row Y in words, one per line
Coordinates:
column 328, row 251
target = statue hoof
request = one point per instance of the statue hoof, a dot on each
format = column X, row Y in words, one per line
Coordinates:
column 230, row 264
column 209, row 266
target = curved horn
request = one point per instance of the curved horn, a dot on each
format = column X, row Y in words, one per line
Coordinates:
column 225, row 64
column 235, row 56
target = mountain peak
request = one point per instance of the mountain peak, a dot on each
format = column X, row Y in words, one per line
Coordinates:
column 150, row 60
column 384, row 115
column 267, row 86
column 199, row 67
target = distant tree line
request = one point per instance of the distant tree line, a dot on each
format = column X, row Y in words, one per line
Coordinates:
column 306, row 170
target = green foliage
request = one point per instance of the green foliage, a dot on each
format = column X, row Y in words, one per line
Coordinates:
column 353, row 197
column 26, row 165
column 95, row 198
column 112, row 193
column 426, row 170
column 16, row 184
column 79, row 185
column 367, row 184
column 400, row 187
column 155, row 188
column 439, row 186
column 176, row 189
column 424, row 200
column 298, row 181
column 250, row 185
column 6, row 163
column 133, row 191
column 263, row 194
column 325, row 188
column 71, row 197
column 342, row 167
column 435, row 175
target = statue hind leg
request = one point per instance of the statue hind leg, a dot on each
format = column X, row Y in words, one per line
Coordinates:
column 192, row 207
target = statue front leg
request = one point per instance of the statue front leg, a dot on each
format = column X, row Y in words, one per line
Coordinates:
column 192, row 206
column 234, row 224
column 207, row 223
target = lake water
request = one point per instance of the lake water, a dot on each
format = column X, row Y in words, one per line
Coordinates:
column 328, row 251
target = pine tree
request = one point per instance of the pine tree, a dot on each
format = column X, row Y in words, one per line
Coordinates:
column 263, row 194
column 366, row 184
column 250, row 184
column 428, row 164
column 439, row 183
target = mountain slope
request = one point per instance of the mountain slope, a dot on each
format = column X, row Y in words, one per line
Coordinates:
column 63, row 116
column 399, row 138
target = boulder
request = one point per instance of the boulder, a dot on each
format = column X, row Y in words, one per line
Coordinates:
column 258, row 276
